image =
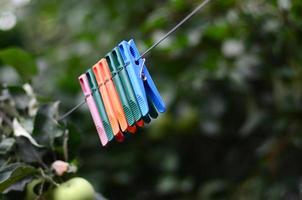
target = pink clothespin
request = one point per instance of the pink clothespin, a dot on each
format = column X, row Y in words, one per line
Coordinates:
column 93, row 109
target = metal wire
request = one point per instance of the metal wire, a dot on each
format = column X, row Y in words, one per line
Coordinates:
column 72, row 110
column 201, row 5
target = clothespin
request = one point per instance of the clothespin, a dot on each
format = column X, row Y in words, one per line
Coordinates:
column 106, row 99
column 120, row 89
column 152, row 110
column 102, row 70
column 141, row 80
column 116, row 65
column 99, row 103
column 93, row 109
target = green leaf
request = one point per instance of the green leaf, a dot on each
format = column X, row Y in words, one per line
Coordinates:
column 6, row 145
column 18, row 186
column 19, row 131
column 20, row 60
column 13, row 173
column 46, row 128
column 27, row 152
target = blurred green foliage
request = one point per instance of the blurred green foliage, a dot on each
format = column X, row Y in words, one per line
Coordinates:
column 231, row 78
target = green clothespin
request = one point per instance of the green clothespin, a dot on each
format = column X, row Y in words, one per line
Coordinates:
column 116, row 73
column 152, row 110
column 99, row 102
column 117, row 58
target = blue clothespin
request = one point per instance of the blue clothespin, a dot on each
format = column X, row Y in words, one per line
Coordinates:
column 141, row 80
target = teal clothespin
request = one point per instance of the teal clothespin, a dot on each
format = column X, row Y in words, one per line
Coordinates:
column 120, row 89
column 99, row 103
column 118, row 64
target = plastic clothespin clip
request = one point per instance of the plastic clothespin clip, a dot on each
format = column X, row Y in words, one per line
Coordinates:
column 120, row 89
column 99, row 103
column 93, row 109
column 105, row 74
column 140, row 78
column 117, row 66
column 106, row 99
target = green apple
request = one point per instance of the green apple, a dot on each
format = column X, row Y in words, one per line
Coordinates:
column 74, row 189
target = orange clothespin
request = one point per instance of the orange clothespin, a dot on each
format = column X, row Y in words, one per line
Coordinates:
column 101, row 69
column 106, row 99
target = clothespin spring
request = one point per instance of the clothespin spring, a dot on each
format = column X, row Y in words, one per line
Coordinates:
column 141, row 70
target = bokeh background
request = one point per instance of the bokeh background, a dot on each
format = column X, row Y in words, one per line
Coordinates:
column 231, row 78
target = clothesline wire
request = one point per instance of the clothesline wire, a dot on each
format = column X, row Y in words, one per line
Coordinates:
column 193, row 12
